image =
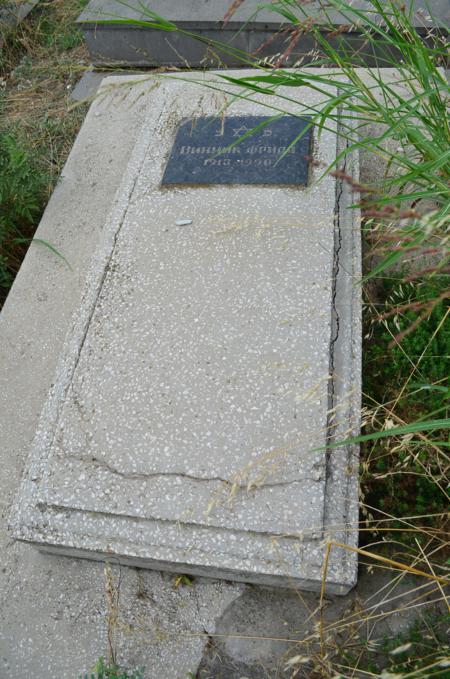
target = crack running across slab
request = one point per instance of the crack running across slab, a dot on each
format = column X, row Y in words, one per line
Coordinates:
column 335, row 320
column 99, row 464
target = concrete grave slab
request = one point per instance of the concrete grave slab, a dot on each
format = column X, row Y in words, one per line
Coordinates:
column 52, row 608
column 186, row 426
column 252, row 30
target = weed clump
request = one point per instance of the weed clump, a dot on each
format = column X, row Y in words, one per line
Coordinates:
column 39, row 64
column 405, row 381
column 103, row 671
column 422, row 357
column 420, row 652
column 22, row 197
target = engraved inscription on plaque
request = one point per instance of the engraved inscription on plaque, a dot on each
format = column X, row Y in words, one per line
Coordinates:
column 212, row 150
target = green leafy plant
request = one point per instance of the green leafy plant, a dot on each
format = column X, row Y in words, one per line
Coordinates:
column 103, row 671
column 22, row 196
column 39, row 61
column 428, row 386
column 404, row 467
column 183, row 581
column 421, row 652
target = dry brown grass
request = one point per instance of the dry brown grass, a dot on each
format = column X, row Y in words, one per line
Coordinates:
column 40, row 63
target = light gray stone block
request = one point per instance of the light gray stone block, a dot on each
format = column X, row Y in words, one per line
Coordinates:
column 88, row 85
column 252, row 14
column 90, row 82
column 252, row 27
column 195, row 393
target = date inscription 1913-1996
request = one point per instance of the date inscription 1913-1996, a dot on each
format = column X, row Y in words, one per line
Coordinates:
column 212, row 150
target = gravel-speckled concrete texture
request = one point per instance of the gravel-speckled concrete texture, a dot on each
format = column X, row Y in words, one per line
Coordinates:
column 53, row 615
column 187, row 424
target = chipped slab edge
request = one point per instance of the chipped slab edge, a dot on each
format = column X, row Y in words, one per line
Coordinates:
column 341, row 504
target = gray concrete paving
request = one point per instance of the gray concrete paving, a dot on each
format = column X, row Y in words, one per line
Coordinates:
column 88, row 85
column 251, row 30
column 263, row 631
column 196, row 443
column 54, row 617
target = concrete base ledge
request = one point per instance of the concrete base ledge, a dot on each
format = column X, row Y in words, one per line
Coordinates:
column 260, row 33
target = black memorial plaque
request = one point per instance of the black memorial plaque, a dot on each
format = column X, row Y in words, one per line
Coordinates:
column 205, row 152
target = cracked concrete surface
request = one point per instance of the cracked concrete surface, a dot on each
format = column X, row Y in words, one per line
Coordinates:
column 53, row 611
column 53, row 608
column 179, row 429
